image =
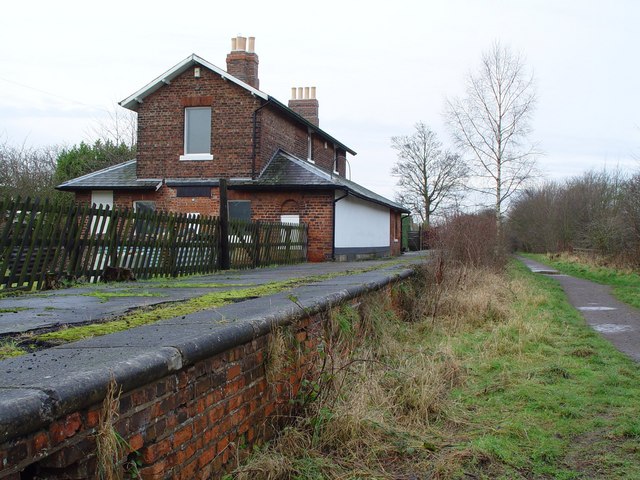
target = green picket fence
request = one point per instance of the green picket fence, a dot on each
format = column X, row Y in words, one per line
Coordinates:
column 39, row 241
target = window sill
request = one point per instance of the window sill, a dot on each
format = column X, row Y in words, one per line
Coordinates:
column 196, row 156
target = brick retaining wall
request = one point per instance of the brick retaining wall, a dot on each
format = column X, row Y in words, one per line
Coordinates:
column 195, row 390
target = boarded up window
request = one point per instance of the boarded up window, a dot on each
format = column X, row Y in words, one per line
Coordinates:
column 193, row 191
column 144, row 206
column 240, row 210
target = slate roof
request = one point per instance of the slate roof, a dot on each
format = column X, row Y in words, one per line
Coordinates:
column 284, row 171
column 288, row 171
column 117, row 177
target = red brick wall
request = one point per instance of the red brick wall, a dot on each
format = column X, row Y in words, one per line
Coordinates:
column 83, row 197
column 161, row 128
column 165, row 199
column 244, row 66
column 395, row 232
column 188, row 425
column 315, row 210
column 307, row 108
column 161, row 131
column 314, row 207
column 279, row 131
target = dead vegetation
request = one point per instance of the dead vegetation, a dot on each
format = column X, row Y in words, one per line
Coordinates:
column 110, row 447
column 382, row 394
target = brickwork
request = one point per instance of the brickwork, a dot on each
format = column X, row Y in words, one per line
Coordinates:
column 192, row 424
column 395, row 230
column 278, row 131
column 244, row 66
column 314, row 207
column 315, row 210
column 308, row 108
column 161, row 128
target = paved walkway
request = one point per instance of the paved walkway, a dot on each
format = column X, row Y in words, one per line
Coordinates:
column 616, row 321
column 89, row 303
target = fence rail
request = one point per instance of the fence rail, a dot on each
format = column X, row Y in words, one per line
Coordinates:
column 39, row 241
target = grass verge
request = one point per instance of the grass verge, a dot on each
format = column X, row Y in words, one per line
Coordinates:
column 625, row 283
column 502, row 380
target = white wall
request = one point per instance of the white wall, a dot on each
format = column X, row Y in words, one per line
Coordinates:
column 360, row 223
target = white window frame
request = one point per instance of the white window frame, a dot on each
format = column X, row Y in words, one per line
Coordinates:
column 310, row 148
column 195, row 156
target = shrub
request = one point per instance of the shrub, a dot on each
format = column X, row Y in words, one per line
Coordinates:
column 472, row 240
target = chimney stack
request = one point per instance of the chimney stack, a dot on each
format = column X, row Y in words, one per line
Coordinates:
column 242, row 61
column 303, row 102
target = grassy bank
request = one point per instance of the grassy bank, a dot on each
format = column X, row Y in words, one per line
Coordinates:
column 483, row 376
column 625, row 282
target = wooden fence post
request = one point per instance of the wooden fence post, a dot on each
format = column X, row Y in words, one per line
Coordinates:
column 224, row 259
column 257, row 230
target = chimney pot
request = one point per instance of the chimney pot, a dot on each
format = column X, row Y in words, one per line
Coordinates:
column 252, row 44
column 300, row 93
column 242, row 43
column 241, row 63
column 313, row 93
column 306, row 93
column 293, row 93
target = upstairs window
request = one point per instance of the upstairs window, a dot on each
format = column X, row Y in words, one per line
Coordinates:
column 197, row 134
column 310, row 148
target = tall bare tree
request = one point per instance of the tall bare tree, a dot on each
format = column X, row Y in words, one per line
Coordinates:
column 428, row 176
column 492, row 122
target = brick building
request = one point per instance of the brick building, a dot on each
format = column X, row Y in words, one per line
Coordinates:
column 198, row 123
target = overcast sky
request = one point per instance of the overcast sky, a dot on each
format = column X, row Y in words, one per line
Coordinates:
column 379, row 67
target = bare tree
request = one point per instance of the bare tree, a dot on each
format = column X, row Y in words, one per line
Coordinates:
column 428, row 176
column 118, row 127
column 27, row 171
column 493, row 123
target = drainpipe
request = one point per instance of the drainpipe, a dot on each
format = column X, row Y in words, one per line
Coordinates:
column 333, row 220
column 255, row 138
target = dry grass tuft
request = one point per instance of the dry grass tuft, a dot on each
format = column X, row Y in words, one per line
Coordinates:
column 452, row 464
column 110, row 448
column 276, row 361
